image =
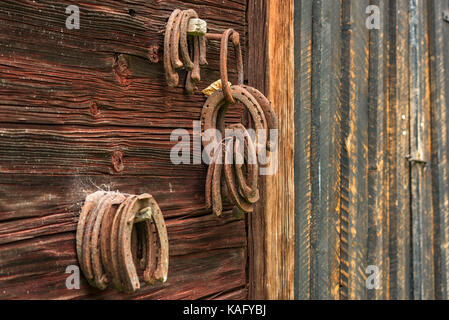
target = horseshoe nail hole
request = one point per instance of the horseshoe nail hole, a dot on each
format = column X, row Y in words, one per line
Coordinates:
column 132, row 12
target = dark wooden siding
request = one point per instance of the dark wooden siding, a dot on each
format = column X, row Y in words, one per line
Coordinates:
column 370, row 106
column 69, row 99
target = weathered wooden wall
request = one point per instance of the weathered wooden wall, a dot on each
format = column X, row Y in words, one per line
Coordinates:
column 69, row 101
column 371, row 165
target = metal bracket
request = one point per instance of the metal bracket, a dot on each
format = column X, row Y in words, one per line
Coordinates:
column 446, row 15
column 197, row 27
column 145, row 214
column 415, row 160
column 184, row 26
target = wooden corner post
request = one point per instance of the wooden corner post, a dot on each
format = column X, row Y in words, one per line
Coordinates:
column 271, row 227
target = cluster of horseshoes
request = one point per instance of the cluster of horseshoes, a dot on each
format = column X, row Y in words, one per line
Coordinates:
column 176, row 45
column 119, row 236
column 234, row 153
column 232, row 173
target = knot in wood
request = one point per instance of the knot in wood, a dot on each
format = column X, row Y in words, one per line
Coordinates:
column 117, row 161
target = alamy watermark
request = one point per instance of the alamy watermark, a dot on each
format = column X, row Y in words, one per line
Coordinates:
column 72, row 281
column 72, row 21
column 187, row 150
column 373, row 279
column 373, row 20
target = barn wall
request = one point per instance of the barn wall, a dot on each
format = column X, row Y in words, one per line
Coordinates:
column 72, row 104
column 371, row 139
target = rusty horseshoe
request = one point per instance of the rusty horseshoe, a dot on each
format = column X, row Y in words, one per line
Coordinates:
column 177, row 52
column 118, row 234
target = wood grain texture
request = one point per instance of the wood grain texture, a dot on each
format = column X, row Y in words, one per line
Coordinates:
column 439, row 58
column 375, row 107
column 89, row 109
column 42, row 265
column 60, row 73
column 44, row 258
column 317, row 149
column 355, row 145
column 279, row 206
column 325, row 151
column 271, row 227
column 303, row 163
column 420, row 144
column 256, row 67
column 378, row 215
column 399, row 147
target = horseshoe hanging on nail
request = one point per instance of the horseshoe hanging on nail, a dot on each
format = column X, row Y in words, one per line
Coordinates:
column 232, row 174
column 177, row 52
column 110, row 229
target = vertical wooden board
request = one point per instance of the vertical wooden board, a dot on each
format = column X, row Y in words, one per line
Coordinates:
column 302, row 161
column 439, row 37
column 279, row 211
column 377, row 152
column 422, row 209
column 256, row 74
column 325, row 150
column 355, row 139
column 392, row 127
column 398, row 148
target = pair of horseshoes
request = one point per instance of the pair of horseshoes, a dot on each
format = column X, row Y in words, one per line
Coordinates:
column 111, row 244
column 176, row 45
